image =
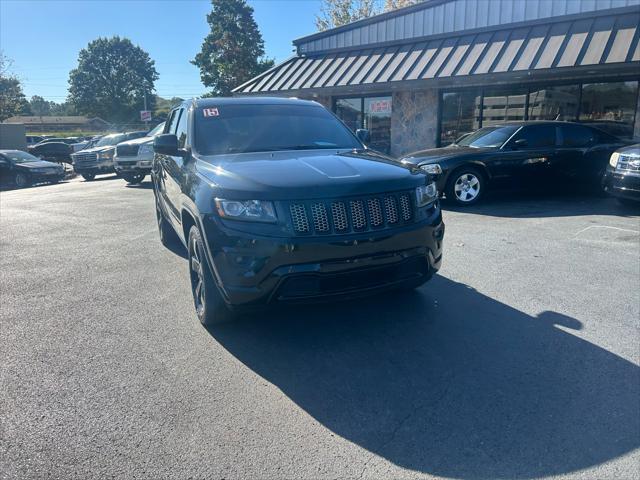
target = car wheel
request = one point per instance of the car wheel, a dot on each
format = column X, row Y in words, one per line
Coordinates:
column 133, row 179
column 168, row 236
column 89, row 177
column 210, row 306
column 22, row 180
column 465, row 186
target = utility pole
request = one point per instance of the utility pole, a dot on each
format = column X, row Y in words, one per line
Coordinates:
column 146, row 122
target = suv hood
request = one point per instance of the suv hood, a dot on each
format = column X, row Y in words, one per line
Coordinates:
column 434, row 155
column 138, row 141
column 307, row 174
column 98, row 149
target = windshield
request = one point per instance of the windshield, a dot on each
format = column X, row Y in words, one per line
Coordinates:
column 263, row 128
column 17, row 156
column 488, row 137
column 156, row 131
column 111, row 140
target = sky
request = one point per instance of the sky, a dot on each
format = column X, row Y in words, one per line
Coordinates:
column 43, row 37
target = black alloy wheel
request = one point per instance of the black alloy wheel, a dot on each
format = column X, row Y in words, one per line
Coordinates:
column 23, row 180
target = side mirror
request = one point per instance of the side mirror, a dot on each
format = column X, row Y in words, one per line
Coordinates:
column 363, row 135
column 521, row 143
column 166, row 144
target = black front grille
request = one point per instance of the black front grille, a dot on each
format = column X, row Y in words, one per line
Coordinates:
column 354, row 215
column 127, row 150
column 85, row 160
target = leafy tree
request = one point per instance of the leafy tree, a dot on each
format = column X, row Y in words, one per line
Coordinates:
column 233, row 51
column 12, row 99
column 334, row 13
column 39, row 106
column 64, row 108
column 164, row 106
column 395, row 4
column 111, row 80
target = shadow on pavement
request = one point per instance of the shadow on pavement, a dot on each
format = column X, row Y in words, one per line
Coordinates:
column 449, row 382
column 544, row 204
column 141, row 186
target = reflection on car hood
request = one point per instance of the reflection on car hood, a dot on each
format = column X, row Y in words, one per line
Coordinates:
column 434, row 155
column 97, row 149
column 630, row 150
column 306, row 174
column 38, row 164
column 138, row 141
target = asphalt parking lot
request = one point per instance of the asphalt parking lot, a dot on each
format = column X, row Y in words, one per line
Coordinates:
column 519, row 360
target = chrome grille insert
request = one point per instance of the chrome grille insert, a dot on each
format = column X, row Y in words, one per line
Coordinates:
column 351, row 215
column 320, row 218
column 299, row 218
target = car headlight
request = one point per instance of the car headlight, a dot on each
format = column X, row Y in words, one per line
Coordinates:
column 432, row 168
column 426, row 194
column 613, row 161
column 146, row 149
column 106, row 155
column 247, row 210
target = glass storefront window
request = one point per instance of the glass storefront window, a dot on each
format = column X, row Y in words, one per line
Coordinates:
column 503, row 104
column 377, row 119
column 460, row 115
column 349, row 110
column 554, row 103
column 610, row 106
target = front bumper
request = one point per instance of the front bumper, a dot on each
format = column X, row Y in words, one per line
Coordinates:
column 623, row 185
column 133, row 164
column 253, row 270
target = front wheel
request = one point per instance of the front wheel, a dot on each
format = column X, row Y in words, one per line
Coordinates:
column 22, row 180
column 210, row 306
column 133, row 178
column 89, row 177
column 465, row 186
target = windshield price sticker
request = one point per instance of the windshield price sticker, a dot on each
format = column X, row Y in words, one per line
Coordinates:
column 210, row 112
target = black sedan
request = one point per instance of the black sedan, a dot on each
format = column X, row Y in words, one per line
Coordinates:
column 516, row 154
column 52, row 151
column 622, row 178
column 23, row 169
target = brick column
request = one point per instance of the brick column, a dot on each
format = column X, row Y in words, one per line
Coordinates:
column 414, row 121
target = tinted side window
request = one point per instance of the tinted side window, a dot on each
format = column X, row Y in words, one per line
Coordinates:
column 173, row 121
column 538, row 136
column 181, row 131
column 576, row 136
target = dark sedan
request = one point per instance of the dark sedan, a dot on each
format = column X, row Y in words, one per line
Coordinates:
column 518, row 154
column 622, row 178
column 23, row 169
column 52, row 151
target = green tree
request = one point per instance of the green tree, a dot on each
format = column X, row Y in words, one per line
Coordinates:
column 111, row 80
column 39, row 106
column 334, row 13
column 233, row 51
column 164, row 106
column 12, row 99
column 395, row 4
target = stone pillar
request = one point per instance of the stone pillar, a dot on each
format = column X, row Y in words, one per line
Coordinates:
column 414, row 121
column 636, row 127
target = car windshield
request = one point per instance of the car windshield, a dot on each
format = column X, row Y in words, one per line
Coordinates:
column 111, row 140
column 262, row 128
column 488, row 137
column 17, row 156
column 157, row 130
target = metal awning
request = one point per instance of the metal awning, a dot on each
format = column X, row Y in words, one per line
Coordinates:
column 562, row 46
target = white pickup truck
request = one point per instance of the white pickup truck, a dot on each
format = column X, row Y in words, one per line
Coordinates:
column 133, row 159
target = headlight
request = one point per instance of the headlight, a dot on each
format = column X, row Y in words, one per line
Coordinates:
column 106, row 155
column 248, row 210
column 433, row 168
column 613, row 161
column 426, row 194
column 146, row 149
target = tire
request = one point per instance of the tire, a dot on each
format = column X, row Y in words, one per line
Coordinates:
column 89, row 177
column 23, row 180
column 133, row 178
column 168, row 236
column 465, row 186
column 211, row 308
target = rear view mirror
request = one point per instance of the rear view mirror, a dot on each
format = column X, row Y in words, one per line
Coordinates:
column 521, row 143
column 166, row 144
column 363, row 135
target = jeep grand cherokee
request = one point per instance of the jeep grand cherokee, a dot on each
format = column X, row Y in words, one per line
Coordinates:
column 276, row 200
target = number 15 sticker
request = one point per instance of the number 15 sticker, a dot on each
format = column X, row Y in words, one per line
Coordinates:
column 210, row 112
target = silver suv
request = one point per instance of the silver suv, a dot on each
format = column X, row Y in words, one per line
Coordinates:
column 133, row 159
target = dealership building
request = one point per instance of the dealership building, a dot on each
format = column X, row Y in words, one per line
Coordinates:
column 423, row 75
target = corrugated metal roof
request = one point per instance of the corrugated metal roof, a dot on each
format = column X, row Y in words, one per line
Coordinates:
column 562, row 45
